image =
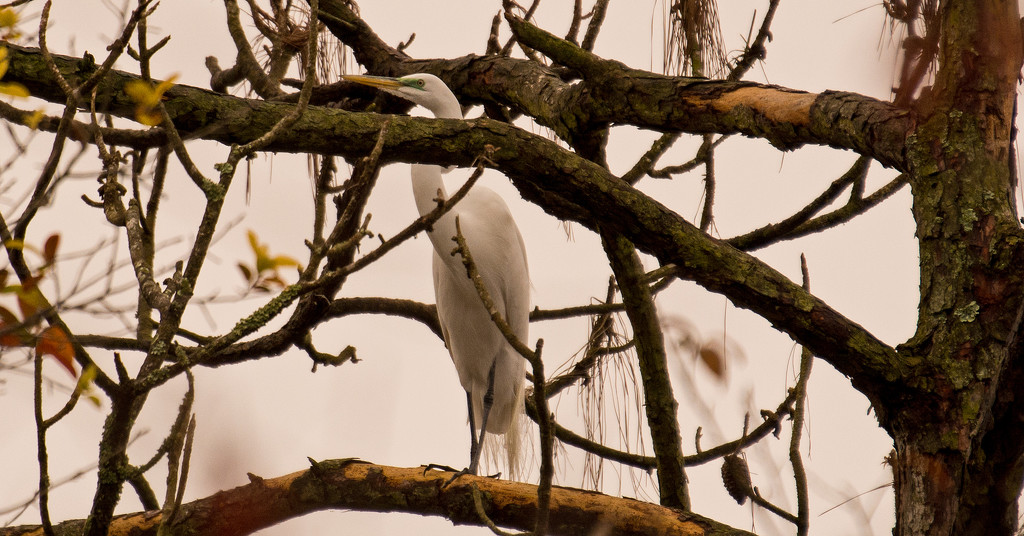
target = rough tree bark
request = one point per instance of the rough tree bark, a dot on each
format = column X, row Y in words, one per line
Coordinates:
column 956, row 417
column 357, row 485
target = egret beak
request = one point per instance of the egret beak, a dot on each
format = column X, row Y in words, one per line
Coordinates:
column 382, row 82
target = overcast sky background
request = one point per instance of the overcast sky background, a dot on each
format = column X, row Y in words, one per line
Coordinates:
column 402, row 404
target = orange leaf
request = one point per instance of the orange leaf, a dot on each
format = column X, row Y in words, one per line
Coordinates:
column 713, row 359
column 50, row 248
column 30, row 283
column 54, row 341
column 12, row 332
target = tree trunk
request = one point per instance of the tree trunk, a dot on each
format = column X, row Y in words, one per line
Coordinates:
column 957, row 422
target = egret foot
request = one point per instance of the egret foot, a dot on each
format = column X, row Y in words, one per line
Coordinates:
column 467, row 471
column 439, row 467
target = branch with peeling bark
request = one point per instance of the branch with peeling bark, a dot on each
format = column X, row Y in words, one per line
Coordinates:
column 784, row 117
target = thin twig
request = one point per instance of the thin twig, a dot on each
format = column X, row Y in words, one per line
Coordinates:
column 756, row 497
column 755, row 51
column 597, row 14
column 478, row 505
column 485, row 297
column 795, row 458
column 41, row 452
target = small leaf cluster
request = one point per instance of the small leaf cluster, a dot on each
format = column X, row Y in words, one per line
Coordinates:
column 147, row 99
column 24, row 329
column 8, row 22
column 263, row 274
column 8, row 31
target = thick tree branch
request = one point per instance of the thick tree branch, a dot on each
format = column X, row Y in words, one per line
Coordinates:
column 613, row 92
column 784, row 117
column 659, row 402
column 348, row 485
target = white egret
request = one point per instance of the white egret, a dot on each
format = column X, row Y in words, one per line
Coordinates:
column 490, row 370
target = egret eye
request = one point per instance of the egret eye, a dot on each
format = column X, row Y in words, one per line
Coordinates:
column 420, row 83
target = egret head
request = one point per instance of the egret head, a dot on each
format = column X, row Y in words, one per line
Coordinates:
column 424, row 89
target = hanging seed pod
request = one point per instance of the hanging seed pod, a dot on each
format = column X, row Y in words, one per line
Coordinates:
column 736, row 477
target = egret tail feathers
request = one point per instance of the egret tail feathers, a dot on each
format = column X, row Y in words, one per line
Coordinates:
column 509, row 452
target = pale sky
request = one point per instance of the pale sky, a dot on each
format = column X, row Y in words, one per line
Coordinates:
column 402, row 403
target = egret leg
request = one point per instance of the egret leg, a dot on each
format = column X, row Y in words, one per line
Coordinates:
column 488, row 402
column 476, row 445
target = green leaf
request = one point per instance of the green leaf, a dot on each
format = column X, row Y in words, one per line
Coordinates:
column 246, row 272
column 27, row 305
column 284, row 260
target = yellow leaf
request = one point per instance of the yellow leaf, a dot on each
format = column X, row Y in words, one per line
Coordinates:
column 14, row 89
column 162, row 87
column 148, row 117
column 84, row 386
column 145, row 94
column 261, row 251
column 88, row 375
column 147, row 97
column 139, row 91
column 8, row 18
column 55, row 342
column 254, row 241
column 284, row 260
column 32, row 121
